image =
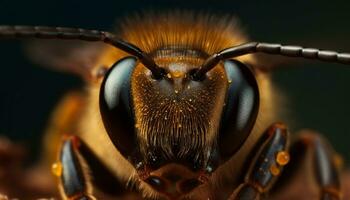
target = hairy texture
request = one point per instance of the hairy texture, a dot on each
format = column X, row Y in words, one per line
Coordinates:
column 177, row 117
column 205, row 32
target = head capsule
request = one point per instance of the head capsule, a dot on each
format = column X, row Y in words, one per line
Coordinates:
column 176, row 130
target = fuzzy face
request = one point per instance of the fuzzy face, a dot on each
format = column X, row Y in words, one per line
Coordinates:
column 176, row 120
column 178, row 117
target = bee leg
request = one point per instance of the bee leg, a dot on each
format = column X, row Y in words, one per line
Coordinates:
column 267, row 164
column 74, row 183
column 104, row 181
column 323, row 162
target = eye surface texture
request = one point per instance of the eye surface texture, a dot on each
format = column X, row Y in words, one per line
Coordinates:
column 241, row 107
column 115, row 105
column 118, row 81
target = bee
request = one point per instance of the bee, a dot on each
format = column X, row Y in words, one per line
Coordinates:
column 177, row 106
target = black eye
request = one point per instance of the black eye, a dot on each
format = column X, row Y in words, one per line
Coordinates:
column 115, row 106
column 241, row 109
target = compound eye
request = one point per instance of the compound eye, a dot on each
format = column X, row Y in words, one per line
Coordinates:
column 115, row 106
column 241, row 108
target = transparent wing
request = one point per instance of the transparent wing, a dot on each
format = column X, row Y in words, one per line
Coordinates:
column 76, row 57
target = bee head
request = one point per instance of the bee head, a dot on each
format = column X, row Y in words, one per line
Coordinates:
column 176, row 130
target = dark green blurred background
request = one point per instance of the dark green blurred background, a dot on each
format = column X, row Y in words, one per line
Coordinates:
column 317, row 92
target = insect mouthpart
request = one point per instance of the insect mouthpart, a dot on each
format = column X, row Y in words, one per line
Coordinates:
column 174, row 180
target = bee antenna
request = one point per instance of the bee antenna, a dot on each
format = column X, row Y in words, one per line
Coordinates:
column 43, row 32
column 268, row 48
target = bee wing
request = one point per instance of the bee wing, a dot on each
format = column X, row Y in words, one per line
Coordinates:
column 75, row 57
